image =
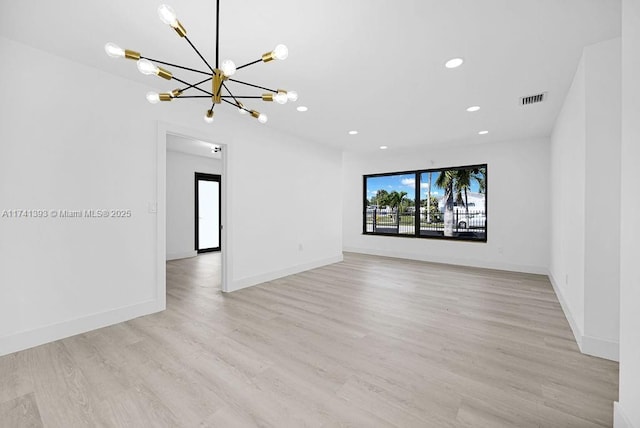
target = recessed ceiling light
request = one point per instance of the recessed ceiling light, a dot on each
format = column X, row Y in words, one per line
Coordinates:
column 483, row 132
column 301, row 108
column 454, row 63
column 353, row 132
column 473, row 108
column 383, row 147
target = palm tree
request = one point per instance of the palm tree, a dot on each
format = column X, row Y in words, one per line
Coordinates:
column 395, row 202
column 396, row 198
column 381, row 198
column 456, row 183
column 462, row 184
column 446, row 181
column 480, row 175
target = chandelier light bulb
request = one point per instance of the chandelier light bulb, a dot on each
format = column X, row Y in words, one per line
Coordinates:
column 228, row 68
column 168, row 15
column 262, row 118
column 208, row 116
column 292, row 96
column 281, row 52
column 113, row 50
column 146, row 67
column 281, row 97
column 153, row 97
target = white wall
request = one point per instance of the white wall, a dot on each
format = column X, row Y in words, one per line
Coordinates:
column 76, row 142
column 602, row 197
column 585, row 163
column 627, row 410
column 181, row 168
column 568, row 154
column 518, row 179
column 87, row 139
column 276, row 186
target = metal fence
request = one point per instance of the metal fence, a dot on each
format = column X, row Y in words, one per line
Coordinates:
column 404, row 222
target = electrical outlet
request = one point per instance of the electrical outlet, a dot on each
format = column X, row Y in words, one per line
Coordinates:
column 152, row 207
column 500, row 250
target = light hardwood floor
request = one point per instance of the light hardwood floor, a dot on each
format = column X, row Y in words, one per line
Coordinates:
column 368, row 342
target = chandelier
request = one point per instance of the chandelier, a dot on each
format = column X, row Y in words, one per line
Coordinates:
column 216, row 77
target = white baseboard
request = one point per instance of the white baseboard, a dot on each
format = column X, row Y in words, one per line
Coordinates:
column 594, row 346
column 620, row 419
column 185, row 255
column 602, row 348
column 270, row 276
column 575, row 328
column 31, row 338
column 539, row 270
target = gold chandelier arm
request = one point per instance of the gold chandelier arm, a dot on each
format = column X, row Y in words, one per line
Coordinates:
column 267, row 57
column 165, row 74
column 129, row 54
column 182, row 32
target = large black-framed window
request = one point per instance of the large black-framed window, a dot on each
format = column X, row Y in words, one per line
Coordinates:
column 208, row 212
column 439, row 203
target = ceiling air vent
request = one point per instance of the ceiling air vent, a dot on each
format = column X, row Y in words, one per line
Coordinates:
column 533, row 99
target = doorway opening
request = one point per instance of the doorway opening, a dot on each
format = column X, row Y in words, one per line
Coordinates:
column 194, row 214
column 208, row 211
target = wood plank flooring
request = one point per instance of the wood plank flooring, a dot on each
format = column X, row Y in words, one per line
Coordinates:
column 369, row 342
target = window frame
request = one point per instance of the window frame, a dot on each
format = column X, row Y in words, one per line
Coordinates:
column 418, row 202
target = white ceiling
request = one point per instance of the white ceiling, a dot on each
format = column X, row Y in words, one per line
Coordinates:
column 371, row 65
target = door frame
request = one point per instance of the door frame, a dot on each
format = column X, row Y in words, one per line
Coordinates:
column 159, row 206
column 198, row 176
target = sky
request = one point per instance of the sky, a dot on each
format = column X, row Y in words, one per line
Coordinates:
column 407, row 183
